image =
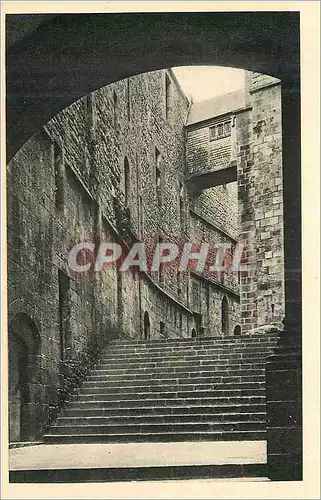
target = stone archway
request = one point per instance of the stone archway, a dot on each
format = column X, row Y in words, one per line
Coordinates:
column 45, row 75
column 24, row 378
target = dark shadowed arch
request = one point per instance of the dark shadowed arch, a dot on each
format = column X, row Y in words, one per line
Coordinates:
column 24, row 377
column 53, row 62
column 127, row 181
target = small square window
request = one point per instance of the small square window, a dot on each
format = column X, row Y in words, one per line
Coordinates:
column 220, row 130
column 212, row 133
column 227, row 128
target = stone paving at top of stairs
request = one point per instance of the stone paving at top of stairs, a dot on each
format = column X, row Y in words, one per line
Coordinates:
column 67, row 456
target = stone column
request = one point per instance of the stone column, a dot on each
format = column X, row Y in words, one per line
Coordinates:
column 284, row 370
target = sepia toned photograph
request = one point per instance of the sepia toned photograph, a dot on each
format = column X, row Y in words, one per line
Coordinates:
column 154, row 247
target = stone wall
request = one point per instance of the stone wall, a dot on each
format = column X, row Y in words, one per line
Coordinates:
column 206, row 150
column 250, row 210
column 68, row 185
column 259, row 163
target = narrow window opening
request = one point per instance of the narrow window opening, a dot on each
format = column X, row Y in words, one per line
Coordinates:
column 141, row 215
column 168, row 92
column 160, row 269
column 64, row 312
column 220, row 130
column 59, row 176
column 158, row 176
column 128, row 100
column 127, row 181
column 179, row 283
column 181, row 206
column 115, row 105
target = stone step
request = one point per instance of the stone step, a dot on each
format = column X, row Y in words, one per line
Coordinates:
column 195, row 341
column 219, row 367
column 123, row 352
column 105, row 381
column 206, row 371
column 101, row 395
column 160, row 419
column 102, row 388
column 95, row 386
column 247, row 435
column 251, row 472
column 85, row 410
column 171, row 390
column 130, row 428
column 183, row 361
column 153, row 402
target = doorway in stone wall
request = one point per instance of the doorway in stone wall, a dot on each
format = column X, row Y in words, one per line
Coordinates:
column 23, row 349
column 225, row 316
column 146, row 326
column 237, row 330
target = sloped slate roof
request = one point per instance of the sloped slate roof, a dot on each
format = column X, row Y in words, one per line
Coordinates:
column 216, row 106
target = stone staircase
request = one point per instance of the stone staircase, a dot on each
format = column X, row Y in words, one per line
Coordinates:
column 206, row 389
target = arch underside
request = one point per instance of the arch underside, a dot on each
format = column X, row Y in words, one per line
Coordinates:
column 64, row 57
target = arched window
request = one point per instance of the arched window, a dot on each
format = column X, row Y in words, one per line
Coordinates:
column 225, row 316
column 146, row 326
column 237, row 330
column 127, row 181
column 194, row 333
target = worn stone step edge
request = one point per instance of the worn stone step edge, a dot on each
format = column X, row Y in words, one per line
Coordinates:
column 200, row 340
column 177, row 382
column 173, row 369
column 169, row 410
column 159, row 428
column 139, row 473
column 182, row 363
column 140, row 403
column 161, row 419
column 158, row 437
column 192, row 351
column 92, row 386
column 171, row 389
column 177, row 354
column 170, row 395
